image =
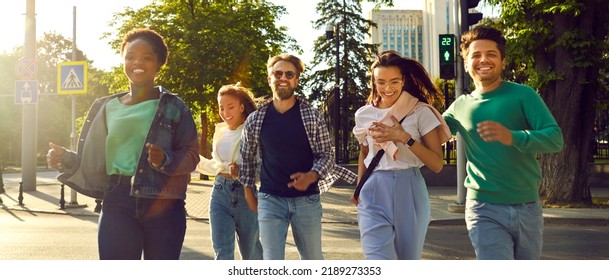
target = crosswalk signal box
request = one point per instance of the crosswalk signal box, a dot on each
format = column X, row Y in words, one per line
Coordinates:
column 447, row 56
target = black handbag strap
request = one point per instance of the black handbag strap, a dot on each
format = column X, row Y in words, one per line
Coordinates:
column 375, row 161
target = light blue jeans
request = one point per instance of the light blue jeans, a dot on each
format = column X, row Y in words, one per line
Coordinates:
column 505, row 231
column 229, row 213
column 303, row 213
column 393, row 215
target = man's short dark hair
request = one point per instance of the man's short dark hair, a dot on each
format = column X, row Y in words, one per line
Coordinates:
column 482, row 33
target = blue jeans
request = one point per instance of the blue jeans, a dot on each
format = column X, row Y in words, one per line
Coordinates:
column 505, row 231
column 229, row 213
column 131, row 228
column 393, row 215
column 303, row 213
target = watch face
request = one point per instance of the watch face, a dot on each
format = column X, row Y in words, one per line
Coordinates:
column 410, row 142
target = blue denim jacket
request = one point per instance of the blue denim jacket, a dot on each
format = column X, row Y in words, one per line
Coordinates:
column 173, row 128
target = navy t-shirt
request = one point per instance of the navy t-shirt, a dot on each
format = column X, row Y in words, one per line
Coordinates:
column 285, row 150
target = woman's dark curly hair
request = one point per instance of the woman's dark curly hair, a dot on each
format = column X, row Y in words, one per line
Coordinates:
column 150, row 36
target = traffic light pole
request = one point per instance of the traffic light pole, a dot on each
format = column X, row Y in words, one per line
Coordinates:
column 459, row 205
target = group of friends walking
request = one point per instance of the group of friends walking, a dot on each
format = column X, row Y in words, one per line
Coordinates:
column 272, row 161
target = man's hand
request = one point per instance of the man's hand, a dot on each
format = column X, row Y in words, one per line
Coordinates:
column 251, row 199
column 354, row 201
column 301, row 181
column 54, row 155
column 491, row 131
column 156, row 155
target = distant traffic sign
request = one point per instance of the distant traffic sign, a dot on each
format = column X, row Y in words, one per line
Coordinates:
column 25, row 69
column 72, row 77
column 26, row 92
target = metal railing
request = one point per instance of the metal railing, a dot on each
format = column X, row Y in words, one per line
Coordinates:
column 600, row 133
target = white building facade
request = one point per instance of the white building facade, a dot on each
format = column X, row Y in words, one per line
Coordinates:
column 415, row 33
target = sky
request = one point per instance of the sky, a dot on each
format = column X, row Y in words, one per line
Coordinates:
column 92, row 18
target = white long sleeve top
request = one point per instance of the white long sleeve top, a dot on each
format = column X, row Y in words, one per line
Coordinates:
column 216, row 165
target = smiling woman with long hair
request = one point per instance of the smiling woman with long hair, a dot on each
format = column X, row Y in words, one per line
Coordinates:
column 393, row 208
column 228, row 210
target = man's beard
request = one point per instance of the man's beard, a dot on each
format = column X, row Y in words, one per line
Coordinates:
column 284, row 93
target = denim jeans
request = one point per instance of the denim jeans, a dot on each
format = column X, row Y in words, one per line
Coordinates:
column 131, row 228
column 303, row 213
column 393, row 215
column 229, row 213
column 505, row 231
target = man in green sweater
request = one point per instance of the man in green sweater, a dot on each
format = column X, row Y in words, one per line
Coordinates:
column 504, row 125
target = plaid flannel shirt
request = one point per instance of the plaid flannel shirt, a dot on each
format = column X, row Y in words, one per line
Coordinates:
column 319, row 139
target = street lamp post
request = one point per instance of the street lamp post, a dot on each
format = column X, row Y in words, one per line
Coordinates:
column 330, row 29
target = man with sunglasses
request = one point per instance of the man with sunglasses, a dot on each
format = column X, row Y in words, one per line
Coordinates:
column 291, row 138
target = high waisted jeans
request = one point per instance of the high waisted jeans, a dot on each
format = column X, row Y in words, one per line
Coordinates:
column 131, row 228
column 393, row 215
column 229, row 213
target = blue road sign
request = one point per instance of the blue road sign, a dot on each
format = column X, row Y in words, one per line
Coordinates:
column 26, row 92
column 72, row 77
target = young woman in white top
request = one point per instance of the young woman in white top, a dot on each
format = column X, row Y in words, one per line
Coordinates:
column 228, row 210
column 393, row 208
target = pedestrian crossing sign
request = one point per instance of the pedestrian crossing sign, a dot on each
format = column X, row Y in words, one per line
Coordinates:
column 72, row 77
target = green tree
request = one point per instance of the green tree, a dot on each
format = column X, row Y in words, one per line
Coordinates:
column 560, row 47
column 54, row 111
column 10, row 114
column 354, row 58
column 211, row 43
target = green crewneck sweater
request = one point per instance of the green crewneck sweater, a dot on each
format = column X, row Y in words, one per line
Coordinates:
column 497, row 173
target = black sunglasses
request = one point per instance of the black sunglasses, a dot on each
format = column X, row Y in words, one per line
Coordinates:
column 288, row 75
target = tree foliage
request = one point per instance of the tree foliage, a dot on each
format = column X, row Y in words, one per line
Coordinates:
column 560, row 47
column 211, row 43
column 54, row 111
column 354, row 61
column 10, row 114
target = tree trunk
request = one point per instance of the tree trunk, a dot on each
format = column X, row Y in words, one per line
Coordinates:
column 571, row 98
column 203, row 150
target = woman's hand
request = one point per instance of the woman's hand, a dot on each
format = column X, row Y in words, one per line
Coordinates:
column 156, row 155
column 54, row 155
column 381, row 132
column 233, row 170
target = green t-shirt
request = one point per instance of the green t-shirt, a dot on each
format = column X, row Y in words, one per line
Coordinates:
column 497, row 173
column 128, row 127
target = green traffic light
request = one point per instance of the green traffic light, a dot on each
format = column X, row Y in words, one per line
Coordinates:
column 447, row 56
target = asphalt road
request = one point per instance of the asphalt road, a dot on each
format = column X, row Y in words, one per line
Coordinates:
column 38, row 236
